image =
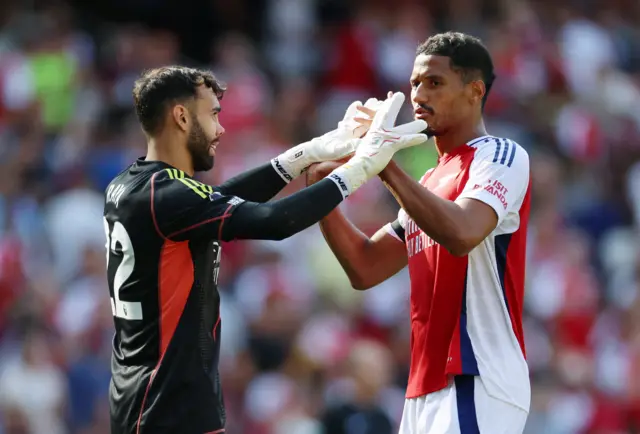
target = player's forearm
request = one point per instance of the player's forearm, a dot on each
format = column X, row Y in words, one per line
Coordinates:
column 285, row 217
column 366, row 261
column 442, row 220
column 349, row 245
column 256, row 185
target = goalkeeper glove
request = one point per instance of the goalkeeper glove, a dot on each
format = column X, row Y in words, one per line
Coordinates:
column 376, row 149
column 333, row 145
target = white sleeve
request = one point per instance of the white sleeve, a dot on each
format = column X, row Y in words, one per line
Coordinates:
column 499, row 177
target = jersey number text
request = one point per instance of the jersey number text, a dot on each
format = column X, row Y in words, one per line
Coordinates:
column 119, row 245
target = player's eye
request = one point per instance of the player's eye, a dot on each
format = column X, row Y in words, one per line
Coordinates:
column 415, row 83
column 434, row 83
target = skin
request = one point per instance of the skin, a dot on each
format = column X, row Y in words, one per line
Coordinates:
column 190, row 134
column 453, row 110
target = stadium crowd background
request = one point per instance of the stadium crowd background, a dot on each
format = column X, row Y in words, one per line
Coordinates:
column 302, row 351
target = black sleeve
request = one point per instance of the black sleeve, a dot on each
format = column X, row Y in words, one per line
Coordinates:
column 285, row 217
column 183, row 208
column 257, row 185
column 398, row 229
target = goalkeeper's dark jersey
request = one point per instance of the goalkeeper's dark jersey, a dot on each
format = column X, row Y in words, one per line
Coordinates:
column 163, row 230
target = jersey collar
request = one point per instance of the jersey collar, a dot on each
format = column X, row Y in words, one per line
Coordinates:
column 143, row 163
column 471, row 144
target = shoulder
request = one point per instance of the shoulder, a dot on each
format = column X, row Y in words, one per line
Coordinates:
column 177, row 181
column 127, row 186
column 501, row 151
column 174, row 187
column 119, row 179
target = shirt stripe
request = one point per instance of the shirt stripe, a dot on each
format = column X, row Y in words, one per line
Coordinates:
column 513, row 153
column 467, row 357
column 505, row 151
column 497, row 154
column 465, row 400
column 479, row 139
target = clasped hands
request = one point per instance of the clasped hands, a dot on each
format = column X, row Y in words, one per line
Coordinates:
column 367, row 134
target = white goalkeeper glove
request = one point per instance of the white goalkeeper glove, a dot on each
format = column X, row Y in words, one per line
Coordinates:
column 376, row 149
column 333, row 145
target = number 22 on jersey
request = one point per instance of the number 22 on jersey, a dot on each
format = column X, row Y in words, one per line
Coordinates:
column 119, row 247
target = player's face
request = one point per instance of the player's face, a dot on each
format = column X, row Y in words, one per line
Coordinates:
column 205, row 131
column 438, row 94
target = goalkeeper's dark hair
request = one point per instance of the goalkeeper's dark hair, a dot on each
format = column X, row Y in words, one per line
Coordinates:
column 469, row 56
column 157, row 89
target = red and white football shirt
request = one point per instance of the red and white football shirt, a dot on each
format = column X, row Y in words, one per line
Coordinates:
column 466, row 312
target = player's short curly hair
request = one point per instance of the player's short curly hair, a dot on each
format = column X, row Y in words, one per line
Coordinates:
column 158, row 88
column 469, row 56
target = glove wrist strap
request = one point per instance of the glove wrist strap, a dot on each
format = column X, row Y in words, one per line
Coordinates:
column 349, row 177
column 291, row 163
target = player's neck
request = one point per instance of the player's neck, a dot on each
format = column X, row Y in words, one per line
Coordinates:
column 162, row 150
column 458, row 137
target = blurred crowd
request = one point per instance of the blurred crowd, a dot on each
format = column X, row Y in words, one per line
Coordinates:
column 303, row 353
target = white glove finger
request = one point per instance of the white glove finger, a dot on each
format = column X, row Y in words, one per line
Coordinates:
column 409, row 141
column 414, row 127
column 366, row 112
column 373, row 104
column 381, row 114
column 391, row 114
column 352, row 110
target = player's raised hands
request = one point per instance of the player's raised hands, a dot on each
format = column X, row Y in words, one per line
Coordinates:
column 334, row 145
column 357, row 120
column 377, row 147
column 384, row 137
column 365, row 113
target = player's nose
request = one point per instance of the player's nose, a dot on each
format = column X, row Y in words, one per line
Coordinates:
column 221, row 130
column 419, row 95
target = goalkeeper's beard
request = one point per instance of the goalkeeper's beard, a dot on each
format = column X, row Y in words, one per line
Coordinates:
column 198, row 145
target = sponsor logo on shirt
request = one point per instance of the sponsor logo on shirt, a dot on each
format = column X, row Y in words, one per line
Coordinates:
column 417, row 241
column 496, row 189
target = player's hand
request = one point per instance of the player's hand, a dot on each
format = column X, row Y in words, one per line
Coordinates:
column 376, row 149
column 333, row 145
column 355, row 123
column 319, row 171
column 367, row 112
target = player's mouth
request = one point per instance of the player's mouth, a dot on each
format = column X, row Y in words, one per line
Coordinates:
column 212, row 148
column 422, row 113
